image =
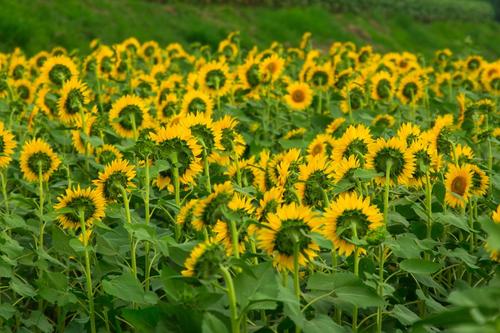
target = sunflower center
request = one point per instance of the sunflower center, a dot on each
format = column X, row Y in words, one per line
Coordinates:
column 59, row 74
column 40, row 61
column 128, row 115
column 473, row 64
column 298, row 95
column 390, row 155
column 196, row 105
column 39, row 161
column 114, row 184
column 459, row 185
column 215, row 79
column 351, row 221
column 290, row 233
column 74, row 101
column 80, row 204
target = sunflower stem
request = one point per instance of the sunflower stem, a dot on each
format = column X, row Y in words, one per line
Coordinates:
column 356, row 273
column 4, row 191
column 134, row 125
column 40, row 206
column 490, row 155
column 428, row 203
column 88, row 274
column 296, row 282
column 234, row 238
column 177, row 189
column 147, row 216
column 207, row 171
column 231, row 294
column 126, row 204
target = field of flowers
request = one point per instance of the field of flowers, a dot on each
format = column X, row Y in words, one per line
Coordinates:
column 153, row 188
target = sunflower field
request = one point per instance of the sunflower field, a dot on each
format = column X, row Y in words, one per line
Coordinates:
column 166, row 188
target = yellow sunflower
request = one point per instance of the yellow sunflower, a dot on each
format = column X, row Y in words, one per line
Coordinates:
column 179, row 146
column 77, row 200
column 295, row 134
column 186, row 213
column 83, row 146
column 128, row 116
column 315, row 182
column 409, row 133
column 7, row 145
column 290, row 226
column 463, row 154
column 299, row 96
column 204, row 261
column 117, row 176
column 411, row 89
column 344, row 169
column 494, row 253
column 58, row 69
column 350, row 217
column 480, row 181
column 382, row 86
column 38, row 160
column 196, row 101
column 209, row 210
column 271, row 68
column 320, row 76
column 458, row 181
column 214, row 78
column 354, row 141
column 107, row 153
column 426, row 161
column 24, row 90
column 321, row 146
column 393, row 154
column 75, row 95
column 335, row 125
column 383, row 120
column 167, row 108
column 248, row 74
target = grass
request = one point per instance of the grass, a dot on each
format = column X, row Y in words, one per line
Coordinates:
column 34, row 25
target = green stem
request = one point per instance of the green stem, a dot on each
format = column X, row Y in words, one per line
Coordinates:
column 147, row 216
column 40, row 207
column 356, row 273
column 126, row 204
column 234, row 238
column 296, row 282
column 88, row 276
column 235, row 326
column 207, row 171
column 4, row 192
column 177, row 189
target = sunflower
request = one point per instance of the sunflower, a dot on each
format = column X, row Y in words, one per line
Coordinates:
column 18, row 67
column 383, row 121
column 196, row 101
column 107, row 153
column 411, row 89
column 354, row 142
column 204, row 261
column 392, row 153
column 494, row 253
column 116, row 177
column 350, row 217
column 382, row 86
column 249, row 173
column 492, row 84
column 77, row 200
column 38, row 160
column 167, row 108
column 271, row 200
column 315, row 182
column 231, row 141
column 320, row 76
column 24, row 90
column 299, row 96
column 286, row 229
column 7, row 145
column 409, row 133
column 335, row 125
column 214, row 78
column 179, row 146
column 74, row 96
column 59, row 69
column 295, row 134
column 248, row 74
column 206, row 133
column 83, row 146
column 271, row 68
column 128, row 116
column 426, row 161
column 186, row 213
column 442, row 84
column 228, row 49
column 210, row 209
column 463, row 154
column 344, row 169
column 321, row 146
column 240, row 208
column 480, row 181
column 458, row 181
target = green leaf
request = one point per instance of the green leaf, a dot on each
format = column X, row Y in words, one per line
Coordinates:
column 212, row 324
column 22, row 288
column 7, row 311
column 366, row 174
column 451, row 219
column 262, row 285
column 14, row 221
column 439, row 191
column 126, row 287
column 419, row 266
column 404, row 315
column 143, row 320
column 322, row 324
column 38, row 320
column 493, row 230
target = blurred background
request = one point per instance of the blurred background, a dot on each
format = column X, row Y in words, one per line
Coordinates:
column 420, row 26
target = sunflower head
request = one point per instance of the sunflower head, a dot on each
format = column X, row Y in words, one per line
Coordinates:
column 7, row 145
column 58, row 69
column 204, row 261
column 458, row 181
column 116, row 178
column 38, row 160
column 299, row 96
column 75, row 95
column 480, row 181
column 87, row 204
column 128, row 116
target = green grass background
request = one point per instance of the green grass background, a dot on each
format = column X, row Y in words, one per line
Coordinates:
column 35, row 25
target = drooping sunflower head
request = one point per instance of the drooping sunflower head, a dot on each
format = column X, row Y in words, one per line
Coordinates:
column 295, row 134
column 458, row 181
column 463, row 154
column 350, row 219
column 204, row 261
column 320, row 76
column 116, row 178
column 354, row 142
column 344, row 169
column 7, row 145
column 287, row 231
column 211, row 209
column 382, row 86
column 315, row 182
column 107, row 153
column 87, row 204
column 167, row 108
column 231, row 141
column 128, row 116
column 392, row 156
column 59, row 69
column 410, row 89
column 426, row 162
column 196, row 101
column 409, row 133
column 299, row 96
column 38, row 160
column 271, row 200
column 248, row 73
column 383, row 121
column 75, row 95
column 185, row 216
column 334, row 127
column 206, row 133
column 24, row 90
